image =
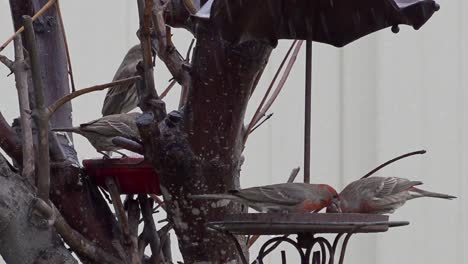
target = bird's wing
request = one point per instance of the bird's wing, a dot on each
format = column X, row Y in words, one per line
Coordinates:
column 123, row 98
column 281, row 194
column 393, row 186
column 377, row 187
column 110, row 126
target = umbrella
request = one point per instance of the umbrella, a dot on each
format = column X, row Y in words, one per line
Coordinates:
column 334, row 22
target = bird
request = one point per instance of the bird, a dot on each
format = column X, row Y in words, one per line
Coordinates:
column 124, row 98
column 100, row 132
column 284, row 197
column 380, row 195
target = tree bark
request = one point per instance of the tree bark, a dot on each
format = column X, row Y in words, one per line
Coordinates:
column 202, row 154
column 81, row 205
column 25, row 237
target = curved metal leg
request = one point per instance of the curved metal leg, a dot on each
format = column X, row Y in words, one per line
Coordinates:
column 264, row 251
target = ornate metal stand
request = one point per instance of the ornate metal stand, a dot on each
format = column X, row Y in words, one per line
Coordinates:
column 306, row 227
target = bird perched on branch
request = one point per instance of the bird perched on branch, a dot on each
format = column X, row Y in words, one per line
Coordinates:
column 285, row 197
column 100, row 132
column 124, row 98
column 380, row 195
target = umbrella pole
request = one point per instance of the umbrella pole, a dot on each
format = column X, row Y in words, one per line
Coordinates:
column 308, row 111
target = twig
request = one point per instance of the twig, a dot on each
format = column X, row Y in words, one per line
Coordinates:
column 55, row 106
column 21, row 79
column 154, row 240
column 133, row 216
column 393, row 160
column 21, row 29
column 293, row 174
column 157, row 200
column 185, row 87
column 147, row 92
column 10, row 142
column 118, row 207
column 189, row 50
column 67, row 50
column 39, row 114
column 168, row 89
column 128, row 144
column 190, row 6
column 7, row 62
column 257, row 115
column 263, row 121
column 75, row 240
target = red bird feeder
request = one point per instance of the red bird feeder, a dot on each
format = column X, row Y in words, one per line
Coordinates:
column 132, row 175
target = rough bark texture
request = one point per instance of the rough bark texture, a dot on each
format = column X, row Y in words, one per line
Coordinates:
column 202, row 154
column 79, row 202
column 24, row 236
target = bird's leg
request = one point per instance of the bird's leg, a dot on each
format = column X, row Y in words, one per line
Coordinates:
column 123, row 154
column 105, row 155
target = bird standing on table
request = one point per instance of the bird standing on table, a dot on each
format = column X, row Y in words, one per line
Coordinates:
column 284, row 197
column 124, row 98
column 100, row 132
column 380, row 195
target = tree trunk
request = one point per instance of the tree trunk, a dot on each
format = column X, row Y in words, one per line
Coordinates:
column 202, row 154
column 25, row 237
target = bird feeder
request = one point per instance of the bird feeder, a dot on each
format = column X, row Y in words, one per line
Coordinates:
column 131, row 175
column 333, row 22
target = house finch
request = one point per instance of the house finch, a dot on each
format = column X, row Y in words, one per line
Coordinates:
column 379, row 195
column 100, row 132
column 284, row 197
column 124, row 98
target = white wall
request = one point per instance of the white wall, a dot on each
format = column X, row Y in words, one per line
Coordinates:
column 381, row 96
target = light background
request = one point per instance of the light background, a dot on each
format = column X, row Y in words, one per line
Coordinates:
column 379, row 97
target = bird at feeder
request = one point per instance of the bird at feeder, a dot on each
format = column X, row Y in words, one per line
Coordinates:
column 100, row 132
column 380, row 195
column 284, row 197
column 124, row 98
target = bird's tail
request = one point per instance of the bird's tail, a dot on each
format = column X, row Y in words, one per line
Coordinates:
column 423, row 193
column 219, row 196
column 67, row 129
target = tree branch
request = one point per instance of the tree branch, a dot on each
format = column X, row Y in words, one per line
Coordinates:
column 75, row 240
column 41, row 11
column 7, row 62
column 129, row 144
column 40, row 113
column 154, row 240
column 21, row 78
column 67, row 50
column 133, row 222
column 68, row 97
column 10, row 141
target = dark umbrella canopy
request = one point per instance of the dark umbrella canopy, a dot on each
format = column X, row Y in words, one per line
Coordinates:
column 334, row 22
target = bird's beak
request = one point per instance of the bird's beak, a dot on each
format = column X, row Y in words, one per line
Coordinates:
column 336, row 204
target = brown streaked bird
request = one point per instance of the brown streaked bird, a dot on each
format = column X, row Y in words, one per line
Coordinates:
column 380, row 195
column 100, row 132
column 283, row 197
column 124, row 98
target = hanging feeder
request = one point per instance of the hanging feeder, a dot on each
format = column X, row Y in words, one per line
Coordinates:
column 131, row 175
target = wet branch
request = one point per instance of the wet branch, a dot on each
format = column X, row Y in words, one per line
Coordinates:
column 55, row 106
column 21, row 29
column 20, row 69
column 154, row 239
column 39, row 114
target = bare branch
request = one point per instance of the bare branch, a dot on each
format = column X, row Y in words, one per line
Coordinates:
column 21, row 79
column 263, row 121
column 419, row 152
column 70, row 70
column 278, row 89
column 154, row 240
column 55, row 106
column 190, row 7
column 10, row 142
column 40, row 113
column 74, row 239
column 157, row 200
column 293, row 174
column 133, row 221
column 21, row 29
column 168, row 89
column 7, row 62
column 118, row 207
